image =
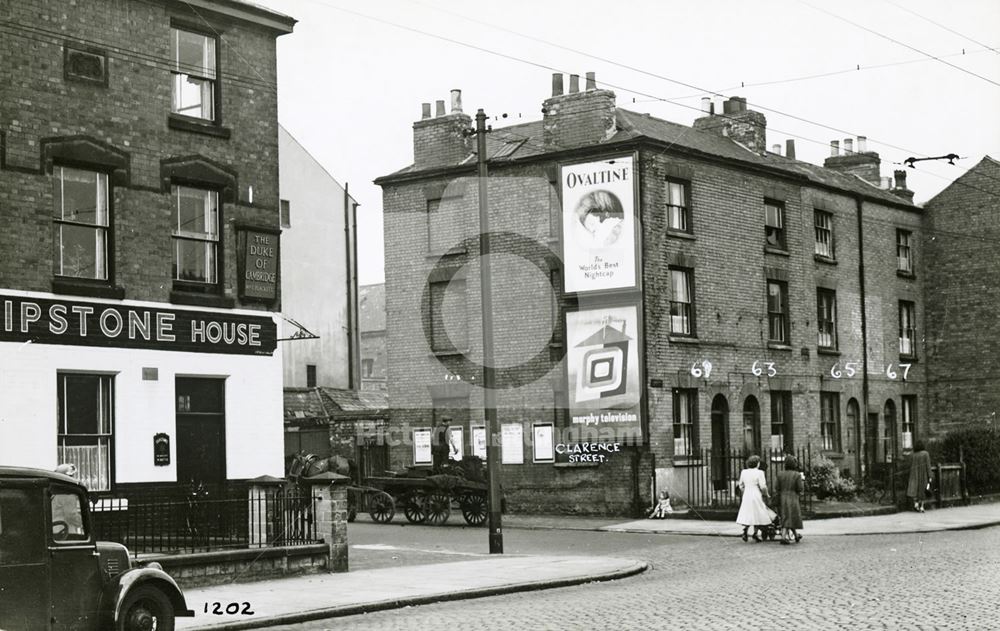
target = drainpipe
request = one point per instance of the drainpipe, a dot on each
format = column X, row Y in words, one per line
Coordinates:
column 349, row 275
column 863, row 420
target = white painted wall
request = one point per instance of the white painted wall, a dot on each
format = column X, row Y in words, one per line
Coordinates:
column 29, row 405
column 314, row 271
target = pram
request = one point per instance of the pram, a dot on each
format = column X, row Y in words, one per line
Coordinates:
column 770, row 531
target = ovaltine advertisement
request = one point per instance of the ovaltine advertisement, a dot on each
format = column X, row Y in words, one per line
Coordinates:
column 602, row 366
column 599, row 228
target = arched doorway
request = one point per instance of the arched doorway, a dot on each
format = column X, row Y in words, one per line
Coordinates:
column 720, row 441
column 751, row 425
column 889, row 429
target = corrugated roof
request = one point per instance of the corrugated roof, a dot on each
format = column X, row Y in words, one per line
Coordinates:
column 526, row 140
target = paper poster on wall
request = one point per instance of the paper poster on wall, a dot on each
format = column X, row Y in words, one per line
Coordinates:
column 541, row 441
column 512, row 443
column 422, row 446
column 456, row 443
column 479, row 442
column 599, row 225
column 602, row 370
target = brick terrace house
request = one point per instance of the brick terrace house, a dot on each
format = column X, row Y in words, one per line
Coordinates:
column 736, row 274
column 139, row 201
column 963, row 299
column 373, row 337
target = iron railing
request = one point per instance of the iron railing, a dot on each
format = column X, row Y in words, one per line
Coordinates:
column 176, row 520
column 713, row 475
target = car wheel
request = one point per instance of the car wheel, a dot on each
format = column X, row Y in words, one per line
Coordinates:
column 146, row 609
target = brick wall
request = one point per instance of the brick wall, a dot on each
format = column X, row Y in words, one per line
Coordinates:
column 130, row 114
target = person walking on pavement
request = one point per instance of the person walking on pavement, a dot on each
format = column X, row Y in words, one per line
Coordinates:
column 788, row 487
column 920, row 476
column 753, row 511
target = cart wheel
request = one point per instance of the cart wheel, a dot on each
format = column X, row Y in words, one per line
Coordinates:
column 474, row 509
column 438, row 508
column 382, row 508
column 415, row 507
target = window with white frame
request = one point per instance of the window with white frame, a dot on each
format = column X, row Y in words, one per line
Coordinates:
column 449, row 323
column 195, row 235
column 681, row 301
column 829, row 424
column 777, row 311
column 194, row 74
column 907, row 328
column 826, row 318
column 82, row 219
column 909, row 421
column 823, row 225
column 678, row 212
column 781, row 420
column 286, row 213
column 774, row 224
column 685, row 421
column 751, row 425
column 86, row 426
column 904, row 251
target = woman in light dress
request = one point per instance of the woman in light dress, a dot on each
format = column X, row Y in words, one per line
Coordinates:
column 753, row 511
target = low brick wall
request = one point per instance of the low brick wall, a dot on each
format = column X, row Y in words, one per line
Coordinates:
column 215, row 568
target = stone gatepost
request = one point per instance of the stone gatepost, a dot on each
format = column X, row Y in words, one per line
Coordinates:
column 331, row 516
column 262, row 508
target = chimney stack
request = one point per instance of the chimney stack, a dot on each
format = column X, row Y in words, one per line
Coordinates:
column 745, row 126
column 790, row 149
column 441, row 140
column 900, row 189
column 862, row 163
column 557, row 84
column 578, row 118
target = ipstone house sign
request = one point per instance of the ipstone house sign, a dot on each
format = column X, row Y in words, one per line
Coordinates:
column 47, row 321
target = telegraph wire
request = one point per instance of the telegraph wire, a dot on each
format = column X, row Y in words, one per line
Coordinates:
column 938, row 24
column 904, row 45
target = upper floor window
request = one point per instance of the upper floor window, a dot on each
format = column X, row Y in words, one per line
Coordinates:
column 774, row 224
column 823, row 225
column 196, row 235
column 286, row 213
column 367, row 367
column 81, row 217
column 777, row 311
column 907, row 328
column 310, row 375
column 194, row 74
column 449, row 324
column 678, row 217
column 904, row 251
column 826, row 317
column 681, row 301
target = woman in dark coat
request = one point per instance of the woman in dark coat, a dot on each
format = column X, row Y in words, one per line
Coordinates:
column 920, row 476
column 788, row 487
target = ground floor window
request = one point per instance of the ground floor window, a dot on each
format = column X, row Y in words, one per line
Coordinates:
column 909, row 420
column 830, row 420
column 685, row 426
column 86, row 427
column 781, row 420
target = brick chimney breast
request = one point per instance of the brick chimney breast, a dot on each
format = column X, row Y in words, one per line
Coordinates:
column 578, row 118
column 864, row 164
column 442, row 140
column 745, row 126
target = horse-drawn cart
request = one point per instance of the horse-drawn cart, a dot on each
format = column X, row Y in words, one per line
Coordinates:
column 425, row 499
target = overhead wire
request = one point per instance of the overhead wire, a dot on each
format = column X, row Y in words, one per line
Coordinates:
column 938, row 24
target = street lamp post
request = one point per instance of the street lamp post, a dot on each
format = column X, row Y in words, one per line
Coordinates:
column 489, row 392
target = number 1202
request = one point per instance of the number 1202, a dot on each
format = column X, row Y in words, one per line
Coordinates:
column 230, row 608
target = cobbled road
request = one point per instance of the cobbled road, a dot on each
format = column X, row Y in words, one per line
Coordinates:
column 943, row 580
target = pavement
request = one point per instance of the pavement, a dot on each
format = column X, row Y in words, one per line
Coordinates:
column 320, row 596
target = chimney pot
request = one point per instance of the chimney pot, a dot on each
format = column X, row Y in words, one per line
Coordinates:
column 557, row 84
column 776, row 149
column 862, row 144
column 706, row 104
column 456, row 101
column 790, row 148
column 574, row 83
column 848, row 146
column 439, row 108
column 900, row 178
column 834, row 147
column 591, row 81
column 729, row 106
column 425, row 110
column 887, row 182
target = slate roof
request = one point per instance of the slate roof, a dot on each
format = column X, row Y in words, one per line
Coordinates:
column 324, row 404
column 525, row 140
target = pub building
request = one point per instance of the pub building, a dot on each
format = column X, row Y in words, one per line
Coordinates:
column 140, row 279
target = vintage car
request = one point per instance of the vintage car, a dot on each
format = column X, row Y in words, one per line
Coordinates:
column 54, row 575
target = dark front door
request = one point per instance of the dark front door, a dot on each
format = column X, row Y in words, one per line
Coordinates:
column 720, row 441
column 24, row 569
column 871, row 441
column 201, row 430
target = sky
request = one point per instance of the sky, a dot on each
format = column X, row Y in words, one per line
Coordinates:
column 919, row 78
